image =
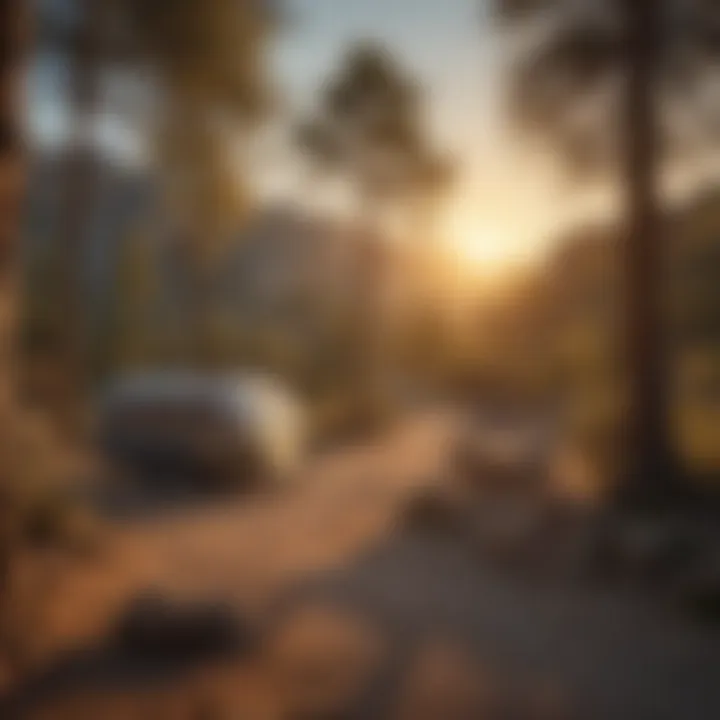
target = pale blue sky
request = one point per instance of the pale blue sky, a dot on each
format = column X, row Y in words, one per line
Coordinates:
column 444, row 43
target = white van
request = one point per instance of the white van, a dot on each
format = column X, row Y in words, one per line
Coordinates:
column 224, row 430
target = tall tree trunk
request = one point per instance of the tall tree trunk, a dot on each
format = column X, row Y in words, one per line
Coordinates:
column 651, row 457
column 81, row 179
column 12, row 175
column 12, row 172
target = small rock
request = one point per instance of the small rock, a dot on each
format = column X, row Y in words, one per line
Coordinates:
column 435, row 510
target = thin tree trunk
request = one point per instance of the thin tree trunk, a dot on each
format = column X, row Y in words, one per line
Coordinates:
column 371, row 324
column 651, row 461
column 81, row 178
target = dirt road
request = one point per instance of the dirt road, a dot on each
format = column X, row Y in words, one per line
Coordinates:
column 406, row 625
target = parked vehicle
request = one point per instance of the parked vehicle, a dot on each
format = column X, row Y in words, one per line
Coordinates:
column 224, row 431
column 508, row 449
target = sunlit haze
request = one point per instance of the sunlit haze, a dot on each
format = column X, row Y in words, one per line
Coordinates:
column 508, row 203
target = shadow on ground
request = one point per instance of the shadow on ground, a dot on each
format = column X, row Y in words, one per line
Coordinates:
column 597, row 653
column 154, row 643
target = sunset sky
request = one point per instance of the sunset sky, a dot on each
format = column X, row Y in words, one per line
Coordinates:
column 508, row 199
column 450, row 48
column 512, row 199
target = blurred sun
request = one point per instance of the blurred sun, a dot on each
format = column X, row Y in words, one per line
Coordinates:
column 480, row 249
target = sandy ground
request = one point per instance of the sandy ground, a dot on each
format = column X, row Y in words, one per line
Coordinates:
column 361, row 618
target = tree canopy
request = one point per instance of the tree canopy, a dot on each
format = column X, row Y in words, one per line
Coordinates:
column 568, row 72
column 369, row 128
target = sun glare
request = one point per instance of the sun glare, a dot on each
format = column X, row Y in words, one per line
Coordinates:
column 480, row 251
